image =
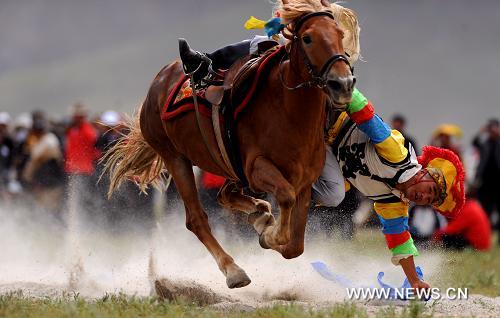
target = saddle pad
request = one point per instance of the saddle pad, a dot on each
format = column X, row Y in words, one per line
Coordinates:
column 181, row 101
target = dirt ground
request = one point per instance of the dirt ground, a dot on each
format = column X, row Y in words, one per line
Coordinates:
column 42, row 261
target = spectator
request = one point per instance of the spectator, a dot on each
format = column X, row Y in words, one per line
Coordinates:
column 80, row 153
column 398, row 122
column 488, row 169
column 210, row 186
column 444, row 136
column 470, row 228
column 43, row 171
column 6, row 151
column 80, row 156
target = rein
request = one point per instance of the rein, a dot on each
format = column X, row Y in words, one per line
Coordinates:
column 318, row 79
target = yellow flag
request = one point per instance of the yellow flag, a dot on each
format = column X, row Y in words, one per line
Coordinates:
column 254, row 23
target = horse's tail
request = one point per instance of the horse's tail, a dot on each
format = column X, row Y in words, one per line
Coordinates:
column 132, row 158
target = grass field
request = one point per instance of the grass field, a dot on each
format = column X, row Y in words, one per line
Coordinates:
column 15, row 305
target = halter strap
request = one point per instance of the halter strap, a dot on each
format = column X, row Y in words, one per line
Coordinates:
column 318, row 79
column 307, row 16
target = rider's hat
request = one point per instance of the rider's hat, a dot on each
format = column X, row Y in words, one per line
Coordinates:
column 448, row 172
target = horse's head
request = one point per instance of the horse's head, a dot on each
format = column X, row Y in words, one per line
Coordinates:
column 316, row 39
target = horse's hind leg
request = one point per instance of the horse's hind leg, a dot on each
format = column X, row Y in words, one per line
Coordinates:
column 197, row 221
column 231, row 197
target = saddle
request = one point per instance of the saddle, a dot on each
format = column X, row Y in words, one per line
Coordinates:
column 226, row 104
column 240, row 87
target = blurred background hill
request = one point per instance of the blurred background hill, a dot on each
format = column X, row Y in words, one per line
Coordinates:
column 433, row 61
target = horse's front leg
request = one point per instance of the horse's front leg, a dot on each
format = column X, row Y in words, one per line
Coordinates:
column 197, row 221
column 295, row 247
column 265, row 176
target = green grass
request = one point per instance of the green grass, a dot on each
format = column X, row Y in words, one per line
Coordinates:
column 478, row 271
column 15, row 305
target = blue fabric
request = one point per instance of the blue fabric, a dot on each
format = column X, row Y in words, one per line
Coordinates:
column 394, row 226
column 273, row 27
column 406, row 285
column 326, row 273
column 376, row 129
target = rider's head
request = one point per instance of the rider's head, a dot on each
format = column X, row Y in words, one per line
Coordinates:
column 439, row 183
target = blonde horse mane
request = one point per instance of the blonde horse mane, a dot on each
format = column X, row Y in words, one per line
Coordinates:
column 347, row 19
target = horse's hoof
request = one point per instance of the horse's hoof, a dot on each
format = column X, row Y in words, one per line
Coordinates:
column 237, row 279
column 263, row 243
column 260, row 221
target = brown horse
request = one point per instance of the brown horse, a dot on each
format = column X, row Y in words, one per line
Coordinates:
column 280, row 136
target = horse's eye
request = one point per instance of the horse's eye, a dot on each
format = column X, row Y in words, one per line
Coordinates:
column 306, row 39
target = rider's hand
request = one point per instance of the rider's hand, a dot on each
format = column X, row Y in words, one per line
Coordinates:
column 420, row 284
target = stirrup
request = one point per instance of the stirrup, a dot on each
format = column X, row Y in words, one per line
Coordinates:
column 204, row 75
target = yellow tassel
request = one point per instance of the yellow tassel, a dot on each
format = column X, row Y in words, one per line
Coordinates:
column 254, row 23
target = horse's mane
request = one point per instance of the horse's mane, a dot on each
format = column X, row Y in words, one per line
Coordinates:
column 296, row 8
column 346, row 18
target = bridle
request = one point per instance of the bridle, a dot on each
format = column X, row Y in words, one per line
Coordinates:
column 318, row 79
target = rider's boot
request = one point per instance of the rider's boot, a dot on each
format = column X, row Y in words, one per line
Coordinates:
column 193, row 61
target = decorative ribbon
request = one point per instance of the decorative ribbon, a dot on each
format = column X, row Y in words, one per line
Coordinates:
column 271, row 27
column 326, row 273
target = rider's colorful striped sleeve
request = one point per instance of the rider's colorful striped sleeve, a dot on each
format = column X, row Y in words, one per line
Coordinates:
column 388, row 143
column 394, row 219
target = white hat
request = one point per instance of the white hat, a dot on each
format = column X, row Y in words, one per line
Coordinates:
column 110, row 118
column 24, row 120
column 4, row 118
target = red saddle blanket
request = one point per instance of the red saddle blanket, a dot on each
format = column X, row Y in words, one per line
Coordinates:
column 181, row 100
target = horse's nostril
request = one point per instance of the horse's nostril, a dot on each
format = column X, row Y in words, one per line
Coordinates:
column 334, row 85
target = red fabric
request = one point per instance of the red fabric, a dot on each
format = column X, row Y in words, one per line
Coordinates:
column 204, row 110
column 212, row 181
column 363, row 115
column 80, row 152
column 172, row 94
column 472, row 223
column 394, row 240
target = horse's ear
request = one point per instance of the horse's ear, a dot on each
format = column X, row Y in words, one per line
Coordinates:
column 325, row 3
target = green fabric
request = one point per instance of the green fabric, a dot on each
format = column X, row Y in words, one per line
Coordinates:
column 406, row 248
column 358, row 102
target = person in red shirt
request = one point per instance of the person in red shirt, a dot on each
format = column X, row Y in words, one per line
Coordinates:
column 80, row 155
column 80, row 151
column 470, row 228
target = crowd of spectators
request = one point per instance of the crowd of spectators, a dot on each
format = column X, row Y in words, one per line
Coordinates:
column 44, row 164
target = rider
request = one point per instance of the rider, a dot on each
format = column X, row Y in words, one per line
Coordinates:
column 384, row 167
column 373, row 149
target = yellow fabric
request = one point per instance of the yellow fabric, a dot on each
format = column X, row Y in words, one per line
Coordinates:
column 450, row 173
column 393, row 147
column 347, row 185
column 254, row 23
column 391, row 210
column 334, row 130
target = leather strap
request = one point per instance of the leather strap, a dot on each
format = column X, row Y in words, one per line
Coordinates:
column 213, row 155
column 220, row 141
